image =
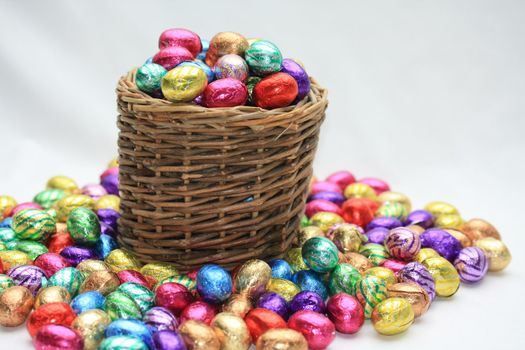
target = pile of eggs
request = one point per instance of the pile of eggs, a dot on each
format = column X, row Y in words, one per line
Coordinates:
column 229, row 70
column 361, row 253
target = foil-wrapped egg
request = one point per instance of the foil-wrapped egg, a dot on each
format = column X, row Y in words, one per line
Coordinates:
column 29, row 276
column 199, row 64
column 341, row 178
column 413, row 293
column 294, row 257
column 239, row 304
column 53, row 294
column 311, row 281
column 286, row 289
column 83, row 226
column 274, row 302
column 142, row 296
column 91, row 265
column 378, row 185
column 496, row 251
column 136, row 277
column 200, row 311
column 224, row 43
column 95, row 191
column 168, row 340
column 461, row 237
column 306, row 233
column 252, row 278
column 232, row 331
column 317, row 329
column 282, row 339
column 87, row 301
column 421, row 218
column 184, row 83
column 5, row 282
column 120, row 305
column 280, row 269
column 348, row 237
column 149, row 77
column 346, row 313
column 376, row 253
column 47, row 198
column 438, row 208
column 393, row 210
column 62, row 183
column 318, row 205
column 33, row 224
column 227, row 92
column 199, row 336
column 51, row 313
column 325, row 220
column 392, row 316
column 444, row 274
column 173, row 296
column 402, row 243
column 103, row 281
column 109, row 201
column 15, row 305
column 14, row 258
column 360, row 262
column 159, row 318
column 477, row 229
column 472, row 264
column 214, row 283
column 7, row 203
column 383, row 273
column 275, row 91
column 395, row 197
column 122, row 342
column 442, row 242
column 57, row 337
column 231, row 66
column 320, row 254
column 414, row 272
column 180, row 37
column 425, row 253
column 359, row 211
column 371, row 290
column 343, row 278
column 295, row 70
column 159, row 270
column 69, row 278
column 307, row 300
column 76, row 254
column 169, row 57
column 120, row 259
column 263, row 58
column 131, row 327
column 91, row 325
column 70, row 202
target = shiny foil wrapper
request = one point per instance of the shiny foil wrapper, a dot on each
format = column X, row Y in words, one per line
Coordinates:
column 286, row 289
column 359, row 261
column 343, row 278
column 282, row 339
column 348, row 237
column 104, row 282
column 159, row 318
column 168, row 340
column 182, row 38
column 346, row 313
column 461, row 237
column 55, row 313
column 227, row 92
column 392, row 316
column 199, row 311
column 31, row 277
column 442, row 242
column 14, row 258
column 275, row 91
column 170, row 57
column 477, row 229
column 274, row 302
column 496, row 251
column 445, row 276
column 325, row 220
column 260, row 320
column 199, row 336
column 159, row 270
column 91, row 326
column 15, row 305
column 306, row 233
column 54, row 336
column 317, row 329
column 232, row 331
column 320, row 254
column 120, row 259
column 238, row 304
column 413, row 293
column 395, row 197
column 91, row 265
column 214, row 283
column 51, row 263
column 252, row 278
column 184, row 83
column 53, row 294
column 438, row 208
column 225, row 43
column 383, row 273
column 294, row 257
column 62, row 183
column 371, row 290
column 173, row 296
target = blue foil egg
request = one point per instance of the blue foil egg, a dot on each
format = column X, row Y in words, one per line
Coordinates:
column 131, row 327
column 214, row 283
column 280, row 269
column 6, row 222
column 205, row 45
column 149, row 60
column 312, row 281
column 209, row 72
column 88, row 301
column 105, row 245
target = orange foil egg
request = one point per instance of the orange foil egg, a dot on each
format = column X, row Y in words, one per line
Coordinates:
column 260, row 320
column 275, row 91
column 52, row 313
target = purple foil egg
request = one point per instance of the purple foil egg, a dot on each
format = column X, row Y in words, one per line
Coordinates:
column 168, row 340
column 108, row 230
column 274, row 302
column 442, row 242
column 334, row 197
column 307, row 300
column 29, row 276
column 417, row 273
column 110, row 183
column 159, row 319
column 377, row 235
column 421, row 218
column 76, row 254
column 291, row 67
column 472, row 264
column 108, row 216
column 384, row 221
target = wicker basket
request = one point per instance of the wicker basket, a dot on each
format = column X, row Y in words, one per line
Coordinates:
column 218, row 185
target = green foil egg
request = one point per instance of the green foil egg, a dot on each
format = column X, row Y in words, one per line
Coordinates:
column 343, row 278
column 149, row 77
column 69, row 278
column 263, row 58
column 120, row 305
column 376, row 253
column 31, row 248
column 5, row 282
column 49, row 197
column 181, row 279
column 83, row 226
column 33, row 224
column 122, row 342
column 143, row 297
column 320, row 254
column 7, row 234
column 371, row 290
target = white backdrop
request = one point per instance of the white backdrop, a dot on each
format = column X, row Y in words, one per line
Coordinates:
column 428, row 95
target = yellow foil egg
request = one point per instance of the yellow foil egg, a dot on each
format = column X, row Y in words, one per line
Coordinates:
column 496, row 251
column 184, row 83
column 14, row 258
column 104, row 282
column 73, row 201
column 425, row 253
column 252, row 277
column 199, row 336
column 445, row 276
column 392, row 210
column 91, row 325
column 306, row 233
column 159, row 270
column 413, row 293
column 285, row 288
column 359, row 190
column 416, row 229
column 448, row 221
column 62, row 183
column 15, row 305
column 392, row 316
column 324, row 220
column 348, row 238
column 281, row 339
column 476, row 229
column 395, row 197
column 91, row 265
column 232, row 331
column 383, row 273
column 294, row 257
column 109, row 201
column 360, row 262
column 113, row 163
column 6, row 204
column 53, row 294
column 461, row 237
column 438, row 208
column 238, row 304
column 120, row 259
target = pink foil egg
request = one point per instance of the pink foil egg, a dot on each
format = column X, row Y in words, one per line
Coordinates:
column 57, row 337
column 133, row 276
column 171, row 56
column 226, row 92
column 173, row 296
column 346, row 313
column 26, row 205
column 378, row 185
column 325, row 186
column 319, row 205
column 109, row 171
column 51, row 263
column 181, row 37
column 394, row 265
column 318, row 330
column 95, row 191
column 200, row 311
column 341, row 178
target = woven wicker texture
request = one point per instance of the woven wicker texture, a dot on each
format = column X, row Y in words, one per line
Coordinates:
column 219, row 185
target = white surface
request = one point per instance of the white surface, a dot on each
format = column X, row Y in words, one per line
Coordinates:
column 425, row 94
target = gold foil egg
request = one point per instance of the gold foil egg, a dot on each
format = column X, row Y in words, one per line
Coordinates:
column 109, row 201
column 73, row 201
column 91, row 325
column 496, row 251
column 252, row 277
column 14, row 258
column 224, row 43
column 395, row 197
column 461, row 237
column 445, row 276
column 413, row 293
column 416, row 229
column 91, row 265
column 383, row 273
column 448, row 221
column 285, row 288
column 232, row 331
column 15, row 305
column 306, row 233
column 120, row 259
column 281, row 339
column 294, row 257
column 324, row 220
column 238, row 304
column 6, row 204
column 359, row 190
column 476, row 229
column 199, row 336
column 360, row 262
column 425, row 253
column 103, row 281
column 159, row 270
column 62, row 183
column 392, row 316
column 438, row 208
column 348, row 238
column 53, row 294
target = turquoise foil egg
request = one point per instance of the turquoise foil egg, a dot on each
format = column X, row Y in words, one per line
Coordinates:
column 320, row 254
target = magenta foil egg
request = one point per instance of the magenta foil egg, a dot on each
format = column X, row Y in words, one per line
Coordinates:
column 325, row 186
column 57, row 337
column 179, row 37
column 318, row 330
column 199, row 311
column 378, row 185
column 319, row 205
column 26, row 205
column 341, row 179
column 394, row 265
column 226, row 92
column 171, row 56
column 346, row 313
column 51, row 263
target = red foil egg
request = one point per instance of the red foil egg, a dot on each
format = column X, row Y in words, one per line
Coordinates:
column 341, row 178
column 325, row 186
column 275, row 91
column 260, row 320
column 134, row 276
column 193, row 274
column 173, row 296
column 57, row 337
column 359, row 211
column 51, row 263
column 378, row 185
column 181, row 37
column 318, row 205
column 109, row 171
column 226, row 92
column 346, row 313
column 318, row 330
column 59, row 241
column 171, row 56
column 200, row 311
column 52, row 313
